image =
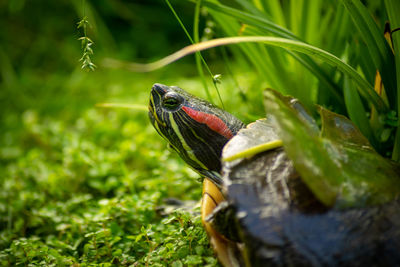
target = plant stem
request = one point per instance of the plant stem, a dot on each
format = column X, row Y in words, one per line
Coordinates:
column 196, row 40
column 201, row 57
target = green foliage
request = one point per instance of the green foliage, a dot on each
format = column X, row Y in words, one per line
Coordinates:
column 329, row 27
column 378, row 47
column 89, row 192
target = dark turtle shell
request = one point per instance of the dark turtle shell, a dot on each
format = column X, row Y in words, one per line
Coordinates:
column 280, row 222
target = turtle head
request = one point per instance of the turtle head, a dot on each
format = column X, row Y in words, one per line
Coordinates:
column 194, row 128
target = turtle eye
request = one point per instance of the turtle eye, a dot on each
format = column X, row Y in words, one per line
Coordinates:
column 171, row 101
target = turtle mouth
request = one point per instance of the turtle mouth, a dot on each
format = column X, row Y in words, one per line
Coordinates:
column 151, row 116
column 154, row 118
column 155, row 96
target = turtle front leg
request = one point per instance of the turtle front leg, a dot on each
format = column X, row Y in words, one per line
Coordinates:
column 225, row 249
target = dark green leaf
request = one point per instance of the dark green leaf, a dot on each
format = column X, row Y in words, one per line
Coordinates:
column 356, row 109
column 379, row 49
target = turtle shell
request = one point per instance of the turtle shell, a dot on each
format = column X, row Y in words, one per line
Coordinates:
column 280, row 222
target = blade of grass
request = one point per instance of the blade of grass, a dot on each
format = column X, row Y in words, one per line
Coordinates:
column 201, row 57
column 300, row 20
column 295, row 11
column 393, row 10
column 356, row 110
column 258, row 58
column 365, row 63
column 250, row 19
column 254, row 8
column 196, row 40
column 275, row 9
column 378, row 47
column 363, row 86
column 263, row 58
column 313, row 21
column 258, row 4
column 229, row 70
column 121, row 105
column 279, row 60
column 340, row 29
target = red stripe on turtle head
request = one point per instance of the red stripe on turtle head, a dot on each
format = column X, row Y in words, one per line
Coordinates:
column 212, row 121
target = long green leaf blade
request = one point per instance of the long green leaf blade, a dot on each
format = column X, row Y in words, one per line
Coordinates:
column 250, row 19
column 356, row 110
column 378, row 47
column 363, row 86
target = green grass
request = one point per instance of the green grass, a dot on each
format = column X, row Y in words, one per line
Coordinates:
column 87, row 188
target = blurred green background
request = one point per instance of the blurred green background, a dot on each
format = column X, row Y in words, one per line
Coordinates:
column 40, row 51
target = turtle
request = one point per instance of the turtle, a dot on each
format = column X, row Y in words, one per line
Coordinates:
column 256, row 207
